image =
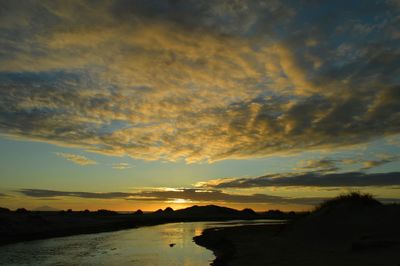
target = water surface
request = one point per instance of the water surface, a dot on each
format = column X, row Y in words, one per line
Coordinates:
column 139, row 246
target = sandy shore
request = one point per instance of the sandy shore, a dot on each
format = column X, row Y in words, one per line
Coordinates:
column 274, row 245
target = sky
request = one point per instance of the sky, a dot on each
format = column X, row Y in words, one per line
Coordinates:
column 128, row 105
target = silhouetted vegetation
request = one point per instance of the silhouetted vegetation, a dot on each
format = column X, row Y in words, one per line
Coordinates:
column 4, row 210
column 159, row 211
column 248, row 211
column 106, row 212
column 168, row 209
column 138, row 212
column 21, row 210
column 273, row 212
column 350, row 200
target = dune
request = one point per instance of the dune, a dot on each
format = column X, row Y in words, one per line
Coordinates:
column 352, row 229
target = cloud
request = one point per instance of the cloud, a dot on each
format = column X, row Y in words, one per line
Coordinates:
column 394, row 140
column 199, row 80
column 332, row 165
column 153, row 195
column 121, row 166
column 323, row 165
column 2, row 195
column 77, row 159
column 43, row 193
column 188, row 194
column 375, row 163
column 310, row 179
column 199, row 195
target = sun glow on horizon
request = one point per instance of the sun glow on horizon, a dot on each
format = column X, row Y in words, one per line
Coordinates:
column 124, row 105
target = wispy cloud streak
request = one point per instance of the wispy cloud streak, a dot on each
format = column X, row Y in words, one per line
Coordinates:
column 310, row 179
column 75, row 158
column 121, row 166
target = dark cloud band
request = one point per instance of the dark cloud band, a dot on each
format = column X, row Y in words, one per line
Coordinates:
column 191, row 195
column 311, row 179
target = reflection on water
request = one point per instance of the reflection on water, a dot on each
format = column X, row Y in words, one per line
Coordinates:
column 141, row 246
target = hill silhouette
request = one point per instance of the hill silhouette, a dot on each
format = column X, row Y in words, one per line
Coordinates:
column 206, row 212
column 351, row 229
column 353, row 201
column 354, row 214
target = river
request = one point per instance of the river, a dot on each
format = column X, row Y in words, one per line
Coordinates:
column 140, row 246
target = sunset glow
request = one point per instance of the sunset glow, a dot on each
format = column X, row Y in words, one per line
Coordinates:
column 127, row 105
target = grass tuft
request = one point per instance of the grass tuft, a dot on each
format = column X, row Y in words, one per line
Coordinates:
column 349, row 199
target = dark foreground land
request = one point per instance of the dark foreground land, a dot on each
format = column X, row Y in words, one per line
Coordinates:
column 25, row 225
column 347, row 232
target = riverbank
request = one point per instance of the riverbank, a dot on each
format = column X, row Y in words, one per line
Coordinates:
column 229, row 244
column 345, row 234
column 24, row 226
column 18, row 227
column 263, row 245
